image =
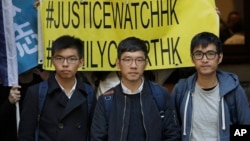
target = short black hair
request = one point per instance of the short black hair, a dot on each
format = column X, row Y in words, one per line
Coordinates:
column 67, row 41
column 131, row 44
column 204, row 39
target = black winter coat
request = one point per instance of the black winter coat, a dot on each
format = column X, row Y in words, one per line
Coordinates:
column 62, row 119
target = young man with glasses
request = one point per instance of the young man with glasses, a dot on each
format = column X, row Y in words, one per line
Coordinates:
column 133, row 114
column 210, row 100
column 68, row 104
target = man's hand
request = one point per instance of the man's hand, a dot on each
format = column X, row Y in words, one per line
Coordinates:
column 14, row 95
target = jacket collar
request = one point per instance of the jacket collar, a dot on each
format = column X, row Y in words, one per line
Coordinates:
column 227, row 82
column 54, row 86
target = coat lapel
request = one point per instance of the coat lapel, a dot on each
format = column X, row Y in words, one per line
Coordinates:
column 76, row 100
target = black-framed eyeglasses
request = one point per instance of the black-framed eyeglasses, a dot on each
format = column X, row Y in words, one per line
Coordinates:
column 69, row 60
column 198, row 55
column 129, row 61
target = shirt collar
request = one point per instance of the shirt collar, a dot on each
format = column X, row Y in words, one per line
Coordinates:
column 71, row 91
column 128, row 91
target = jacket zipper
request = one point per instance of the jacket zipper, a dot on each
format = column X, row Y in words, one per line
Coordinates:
column 143, row 120
column 123, row 118
column 175, row 117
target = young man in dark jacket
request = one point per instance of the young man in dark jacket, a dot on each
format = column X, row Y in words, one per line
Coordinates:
column 68, row 107
column 134, row 115
column 209, row 101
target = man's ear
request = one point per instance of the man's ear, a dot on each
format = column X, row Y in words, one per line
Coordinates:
column 81, row 63
column 117, row 63
column 220, row 58
column 146, row 63
column 192, row 59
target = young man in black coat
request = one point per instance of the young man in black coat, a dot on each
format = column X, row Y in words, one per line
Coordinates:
column 133, row 113
column 67, row 110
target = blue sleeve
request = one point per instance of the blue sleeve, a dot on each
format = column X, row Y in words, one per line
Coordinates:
column 178, row 94
column 171, row 125
column 243, row 111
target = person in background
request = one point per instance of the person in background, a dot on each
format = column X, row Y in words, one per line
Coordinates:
column 8, row 125
column 105, row 80
column 210, row 100
column 234, row 26
column 134, row 114
column 11, row 95
column 236, row 29
column 69, row 102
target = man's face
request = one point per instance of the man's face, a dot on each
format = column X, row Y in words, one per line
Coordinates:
column 206, row 60
column 234, row 19
column 132, row 66
column 66, row 63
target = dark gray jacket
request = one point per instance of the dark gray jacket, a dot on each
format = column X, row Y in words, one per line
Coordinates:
column 116, row 127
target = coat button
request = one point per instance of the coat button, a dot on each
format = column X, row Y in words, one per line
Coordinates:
column 78, row 125
column 60, row 125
